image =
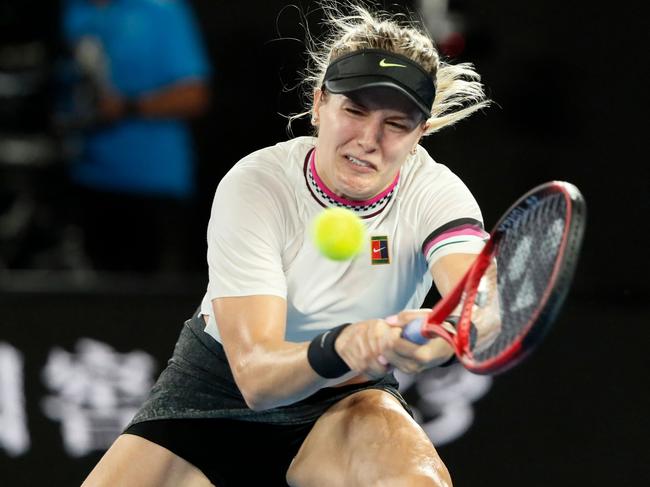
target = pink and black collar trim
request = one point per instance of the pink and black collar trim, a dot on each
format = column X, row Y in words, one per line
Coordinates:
column 326, row 198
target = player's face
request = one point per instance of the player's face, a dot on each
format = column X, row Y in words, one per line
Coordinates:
column 363, row 139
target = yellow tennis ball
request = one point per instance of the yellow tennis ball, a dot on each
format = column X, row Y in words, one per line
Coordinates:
column 338, row 233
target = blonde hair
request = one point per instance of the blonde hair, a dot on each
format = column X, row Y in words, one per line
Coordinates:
column 351, row 26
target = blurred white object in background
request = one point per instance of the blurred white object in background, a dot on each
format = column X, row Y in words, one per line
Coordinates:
column 445, row 27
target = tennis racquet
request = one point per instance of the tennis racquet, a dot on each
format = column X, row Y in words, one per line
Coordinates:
column 507, row 301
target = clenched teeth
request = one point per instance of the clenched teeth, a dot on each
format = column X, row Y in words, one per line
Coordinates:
column 358, row 162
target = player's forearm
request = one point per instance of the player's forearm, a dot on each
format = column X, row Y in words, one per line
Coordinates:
column 273, row 376
column 183, row 100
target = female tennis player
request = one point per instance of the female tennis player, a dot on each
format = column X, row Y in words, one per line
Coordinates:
column 283, row 375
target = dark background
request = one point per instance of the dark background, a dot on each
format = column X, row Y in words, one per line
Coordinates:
column 569, row 82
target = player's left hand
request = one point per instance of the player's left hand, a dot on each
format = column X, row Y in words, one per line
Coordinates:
column 409, row 357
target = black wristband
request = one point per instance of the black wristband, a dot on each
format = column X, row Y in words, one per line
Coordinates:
column 322, row 355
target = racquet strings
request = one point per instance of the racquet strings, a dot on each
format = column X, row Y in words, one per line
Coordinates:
column 516, row 284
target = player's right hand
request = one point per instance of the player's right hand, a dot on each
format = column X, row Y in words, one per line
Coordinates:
column 361, row 345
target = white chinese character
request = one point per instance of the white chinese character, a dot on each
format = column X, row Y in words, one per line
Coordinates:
column 14, row 436
column 97, row 392
column 445, row 396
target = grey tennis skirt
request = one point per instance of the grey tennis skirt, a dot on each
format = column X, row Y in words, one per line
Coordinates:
column 198, row 383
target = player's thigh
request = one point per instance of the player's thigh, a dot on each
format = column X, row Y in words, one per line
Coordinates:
column 367, row 439
column 135, row 461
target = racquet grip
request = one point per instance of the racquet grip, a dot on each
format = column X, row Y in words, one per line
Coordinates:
column 413, row 332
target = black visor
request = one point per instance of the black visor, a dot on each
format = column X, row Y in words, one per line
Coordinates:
column 374, row 67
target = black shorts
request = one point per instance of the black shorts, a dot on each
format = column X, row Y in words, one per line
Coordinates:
column 230, row 453
column 196, row 410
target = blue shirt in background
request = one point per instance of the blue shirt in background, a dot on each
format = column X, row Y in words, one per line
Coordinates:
column 148, row 45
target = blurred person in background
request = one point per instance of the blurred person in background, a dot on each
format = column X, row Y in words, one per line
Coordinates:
column 146, row 75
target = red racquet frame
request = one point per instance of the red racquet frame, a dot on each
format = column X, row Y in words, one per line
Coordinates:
column 548, row 304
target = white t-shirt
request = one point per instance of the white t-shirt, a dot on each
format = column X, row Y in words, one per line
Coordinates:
column 259, row 241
